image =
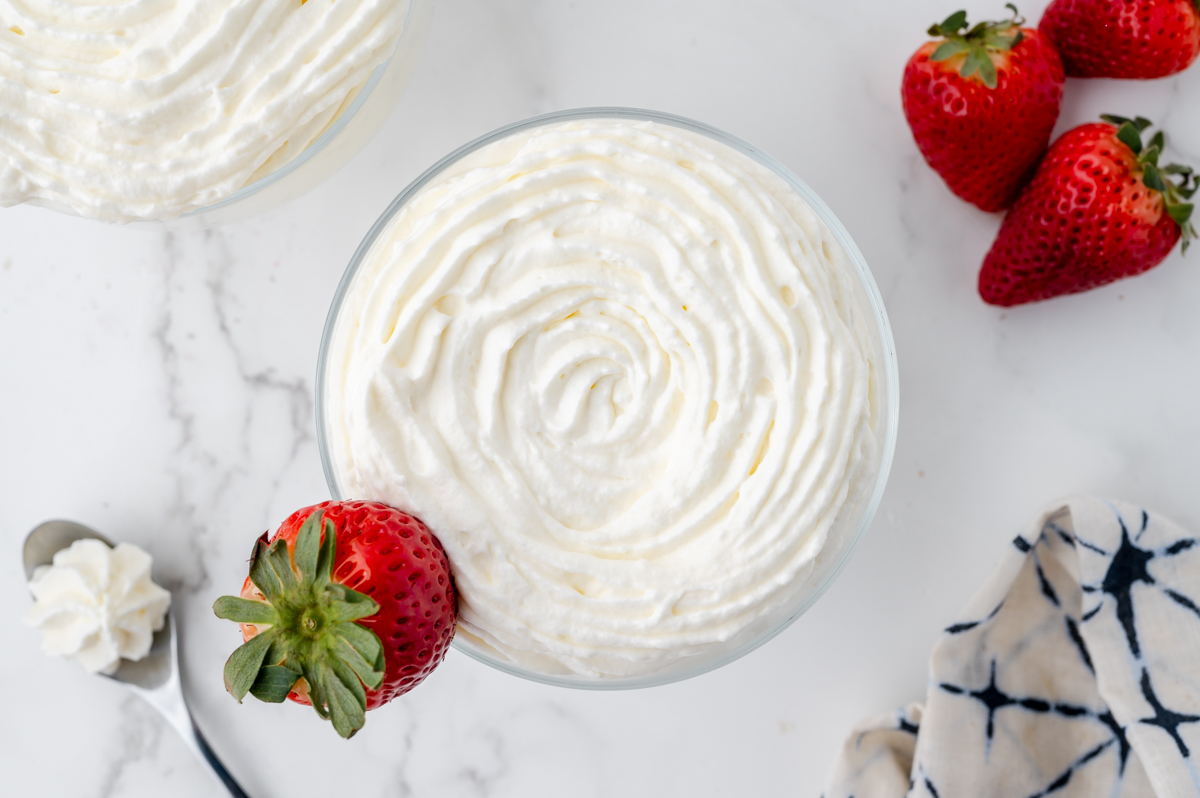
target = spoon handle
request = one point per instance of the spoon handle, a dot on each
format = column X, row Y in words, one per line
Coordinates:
column 169, row 701
column 206, row 751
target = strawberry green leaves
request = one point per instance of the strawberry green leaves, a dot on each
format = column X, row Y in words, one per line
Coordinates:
column 351, row 605
column 310, row 545
column 361, row 650
column 232, row 608
column 951, row 26
column 979, row 61
column 306, row 630
column 243, row 665
column 272, row 683
column 1129, row 131
column 336, row 682
column 978, row 43
column 1159, row 178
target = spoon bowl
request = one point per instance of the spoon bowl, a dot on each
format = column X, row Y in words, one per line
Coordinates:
column 155, row 677
column 149, row 673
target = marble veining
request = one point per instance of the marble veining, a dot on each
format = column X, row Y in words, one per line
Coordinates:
column 158, row 386
column 137, row 740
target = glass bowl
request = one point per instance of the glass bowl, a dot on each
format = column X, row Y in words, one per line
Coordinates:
column 363, row 116
column 843, row 537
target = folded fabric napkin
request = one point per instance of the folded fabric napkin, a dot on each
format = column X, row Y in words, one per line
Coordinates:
column 1074, row 672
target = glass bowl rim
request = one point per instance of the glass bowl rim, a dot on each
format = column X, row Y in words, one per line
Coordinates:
column 890, row 371
column 322, row 141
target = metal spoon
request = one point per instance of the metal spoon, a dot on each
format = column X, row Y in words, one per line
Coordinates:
column 156, row 677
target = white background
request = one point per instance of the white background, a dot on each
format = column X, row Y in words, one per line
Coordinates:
column 159, row 388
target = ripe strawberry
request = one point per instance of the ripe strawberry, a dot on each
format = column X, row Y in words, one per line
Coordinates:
column 981, row 104
column 347, row 606
column 1124, row 38
column 1099, row 208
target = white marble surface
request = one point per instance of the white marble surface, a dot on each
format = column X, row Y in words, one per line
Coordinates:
column 159, row 387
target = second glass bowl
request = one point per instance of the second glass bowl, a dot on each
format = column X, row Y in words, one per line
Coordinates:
column 362, row 118
column 843, row 537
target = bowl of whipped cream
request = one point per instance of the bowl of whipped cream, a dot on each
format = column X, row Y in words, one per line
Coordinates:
column 193, row 112
column 634, row 374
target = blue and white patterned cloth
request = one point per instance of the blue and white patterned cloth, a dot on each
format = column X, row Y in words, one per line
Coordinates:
column 1075, row 672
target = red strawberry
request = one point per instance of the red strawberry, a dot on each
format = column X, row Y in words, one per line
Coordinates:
column 1099, row 208
column 981, row 104
column 1124, row 38
column 347, row 606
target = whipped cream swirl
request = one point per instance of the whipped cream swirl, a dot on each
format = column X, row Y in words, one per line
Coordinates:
column 149, row 109
column 628, row 377
column 97, row 604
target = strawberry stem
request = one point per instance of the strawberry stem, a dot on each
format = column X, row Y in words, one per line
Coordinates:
column 311, row 636
column 1159, row 178
column 978, row 42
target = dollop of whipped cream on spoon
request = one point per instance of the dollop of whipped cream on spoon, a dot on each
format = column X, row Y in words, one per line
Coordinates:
column 97, row 605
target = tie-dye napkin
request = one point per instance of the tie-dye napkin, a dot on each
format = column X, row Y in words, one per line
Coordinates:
column 1075, row 672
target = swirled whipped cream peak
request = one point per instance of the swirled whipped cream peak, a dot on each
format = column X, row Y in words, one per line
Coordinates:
column 150, row 109
column 97, row 604
column 627, row 375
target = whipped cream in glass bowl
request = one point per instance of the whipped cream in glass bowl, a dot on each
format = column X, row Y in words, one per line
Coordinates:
column 193, row 112
column 636, row 377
